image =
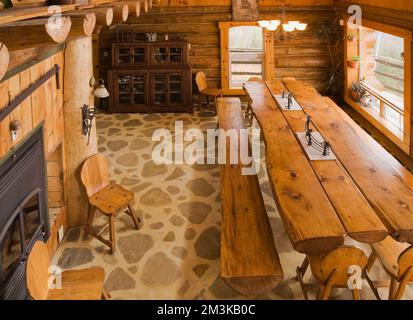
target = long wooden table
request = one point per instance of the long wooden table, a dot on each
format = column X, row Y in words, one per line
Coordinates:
column 368, row 191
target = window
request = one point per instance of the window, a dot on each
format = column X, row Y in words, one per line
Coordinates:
column 246, row 46
column 377, row 77
column 247, row 51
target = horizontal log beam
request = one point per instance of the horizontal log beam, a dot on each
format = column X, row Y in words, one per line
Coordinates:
column 120, row 13
column 104, row 15
column 36, row 32
column 134, row 7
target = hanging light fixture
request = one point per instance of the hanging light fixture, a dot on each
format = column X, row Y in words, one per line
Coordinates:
column 272, row 25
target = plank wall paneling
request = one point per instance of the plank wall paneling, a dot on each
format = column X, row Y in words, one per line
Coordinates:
column 45, row 104
column 306, row 57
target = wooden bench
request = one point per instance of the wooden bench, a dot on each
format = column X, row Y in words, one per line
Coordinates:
column 249, row 260
column 309, row 218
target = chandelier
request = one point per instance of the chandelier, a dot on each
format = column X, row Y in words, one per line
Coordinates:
column 272, row 25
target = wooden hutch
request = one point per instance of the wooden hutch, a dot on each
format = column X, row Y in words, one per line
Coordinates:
column 150, row 77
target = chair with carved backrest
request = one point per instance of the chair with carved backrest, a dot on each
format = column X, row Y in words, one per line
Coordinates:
column 205, row 91
column 332, row 270
column 86, row 284
column 108, row 198
column 397, row 260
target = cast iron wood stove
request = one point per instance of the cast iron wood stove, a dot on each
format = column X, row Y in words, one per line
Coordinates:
column 23, row 213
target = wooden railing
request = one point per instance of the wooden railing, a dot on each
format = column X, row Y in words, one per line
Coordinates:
column 394, row 64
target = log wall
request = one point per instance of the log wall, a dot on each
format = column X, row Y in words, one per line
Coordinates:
column 44, row 105
column 305, row 57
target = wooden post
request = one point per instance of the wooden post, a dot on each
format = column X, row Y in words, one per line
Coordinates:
column 36, row 32
column 77, row 92
column 4, row 59
column 82, row 25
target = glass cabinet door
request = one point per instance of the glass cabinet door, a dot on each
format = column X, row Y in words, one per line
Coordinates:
column 175, row 55
column 138, row 89
column 124, row 88
column 175, row 88
column 139, row 55
column 160, row 89
column 124, row 56
column 160, row 55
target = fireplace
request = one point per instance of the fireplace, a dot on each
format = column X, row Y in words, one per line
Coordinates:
column 23, row 213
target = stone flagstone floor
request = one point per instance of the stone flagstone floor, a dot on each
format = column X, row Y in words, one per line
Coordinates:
column 176, row 253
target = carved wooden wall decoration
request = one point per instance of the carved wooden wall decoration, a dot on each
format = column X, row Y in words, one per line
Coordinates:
column 244, row 10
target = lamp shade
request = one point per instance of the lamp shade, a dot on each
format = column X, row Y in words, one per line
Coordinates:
column 263, row 23
column 101, row 92
column 288, row 27
column 301, row 26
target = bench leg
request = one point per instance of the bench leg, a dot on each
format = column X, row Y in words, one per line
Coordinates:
column 372, row 285
column 404, row 281
column 325, row 288
column 112, row 234
column 136, row 220
column 200, row 101
column 371, row 261
column 89, row 225
column 356, row 294
column 300, row 276
column 392, row 289
column 105, row 295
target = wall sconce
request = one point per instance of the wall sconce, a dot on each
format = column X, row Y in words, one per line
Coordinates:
column 88, row 113
column 100, row 92
column 14, row 127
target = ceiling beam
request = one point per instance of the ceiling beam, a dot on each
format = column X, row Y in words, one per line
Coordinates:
column 82, row 25
column 35, row 32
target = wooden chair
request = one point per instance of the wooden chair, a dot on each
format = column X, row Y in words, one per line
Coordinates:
column 110, row 199
column 332, row 270
column 204, row 91
column 84, row 284
column 397, row 260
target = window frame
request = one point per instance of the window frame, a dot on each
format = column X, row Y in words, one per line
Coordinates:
column 402, row 138
column 268, row 55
